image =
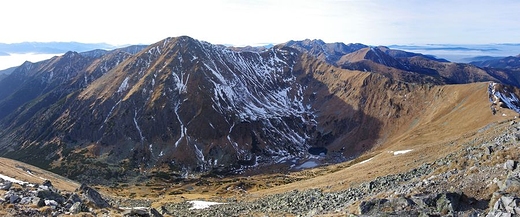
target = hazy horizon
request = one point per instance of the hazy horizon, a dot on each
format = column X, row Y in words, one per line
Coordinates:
column 370, row 22
column 451, row 52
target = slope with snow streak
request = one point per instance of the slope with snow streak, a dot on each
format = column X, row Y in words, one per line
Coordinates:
column 503, row 96
column 199, row 106
column 257, row 88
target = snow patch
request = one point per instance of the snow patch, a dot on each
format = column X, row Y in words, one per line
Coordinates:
column 124, row 85
column 13, row 180
column 367, row 160
column 199, row 204
column 402, row 152
column 308, row 165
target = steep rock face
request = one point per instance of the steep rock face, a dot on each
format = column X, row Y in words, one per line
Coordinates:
column 503, row 96
column 198, row 105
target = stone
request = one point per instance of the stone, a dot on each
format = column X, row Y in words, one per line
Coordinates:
column 137, row 212
column 155, row 213
column 75, row 208
column 51, row 195
column 510, row 165
column 30, row 200
column 51, row 203
column 489, row 150
column 14, row 198
column 47, row 183
column 94, row 197
column 424, row 200
column 448, row 202
column 73, row 198
column 371, row 206
column 505, row 206
column 6, row 185
column 41, row 202
column 512, row 183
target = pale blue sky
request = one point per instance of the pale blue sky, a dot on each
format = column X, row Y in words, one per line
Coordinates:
column 242, row 22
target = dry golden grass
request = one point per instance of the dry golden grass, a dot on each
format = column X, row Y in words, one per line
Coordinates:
column 19, row 170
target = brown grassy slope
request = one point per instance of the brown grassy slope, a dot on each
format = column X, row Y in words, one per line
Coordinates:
column 450, row 115
column 18, row 170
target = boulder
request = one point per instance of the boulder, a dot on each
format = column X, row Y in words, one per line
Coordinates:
column 137, row 212
column 31, row 200
column 51, row 203
column 73, row 198
column 506, row 205
column 512, row 183
column 425, row 200
column 6, row 185
column 14, row 198
column 489, row 150
column 51, row 195
column 510, row 165
column 94, row 197
column 47, row 183
column 75, row 208
column 448, row 202
column 155, row 213
column 385, row 205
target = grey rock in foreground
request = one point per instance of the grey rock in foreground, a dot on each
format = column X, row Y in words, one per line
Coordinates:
column 46, row 200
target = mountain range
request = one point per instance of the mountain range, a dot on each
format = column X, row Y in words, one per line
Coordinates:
column 187, row 106
column 303, row 127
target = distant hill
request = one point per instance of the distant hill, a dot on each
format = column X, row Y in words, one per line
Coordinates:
column 511, row 62
column 481, row 58
column 50, row 47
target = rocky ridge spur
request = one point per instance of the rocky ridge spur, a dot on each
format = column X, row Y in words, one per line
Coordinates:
column 45, row 200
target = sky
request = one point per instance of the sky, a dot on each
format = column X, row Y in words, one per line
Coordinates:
column 254, row 22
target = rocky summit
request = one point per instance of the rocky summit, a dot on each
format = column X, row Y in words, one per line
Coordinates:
column 302, row 128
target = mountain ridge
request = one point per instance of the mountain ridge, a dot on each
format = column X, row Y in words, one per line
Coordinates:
column 189, row 106
column 161, row 125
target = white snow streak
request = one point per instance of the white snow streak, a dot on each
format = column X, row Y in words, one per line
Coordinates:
column 402, row 152
column 109, row 113
column 367, row 160
column 13, row 180
column 138, row 128
column 183, row 129
column 124, row 85
column 198, row 204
